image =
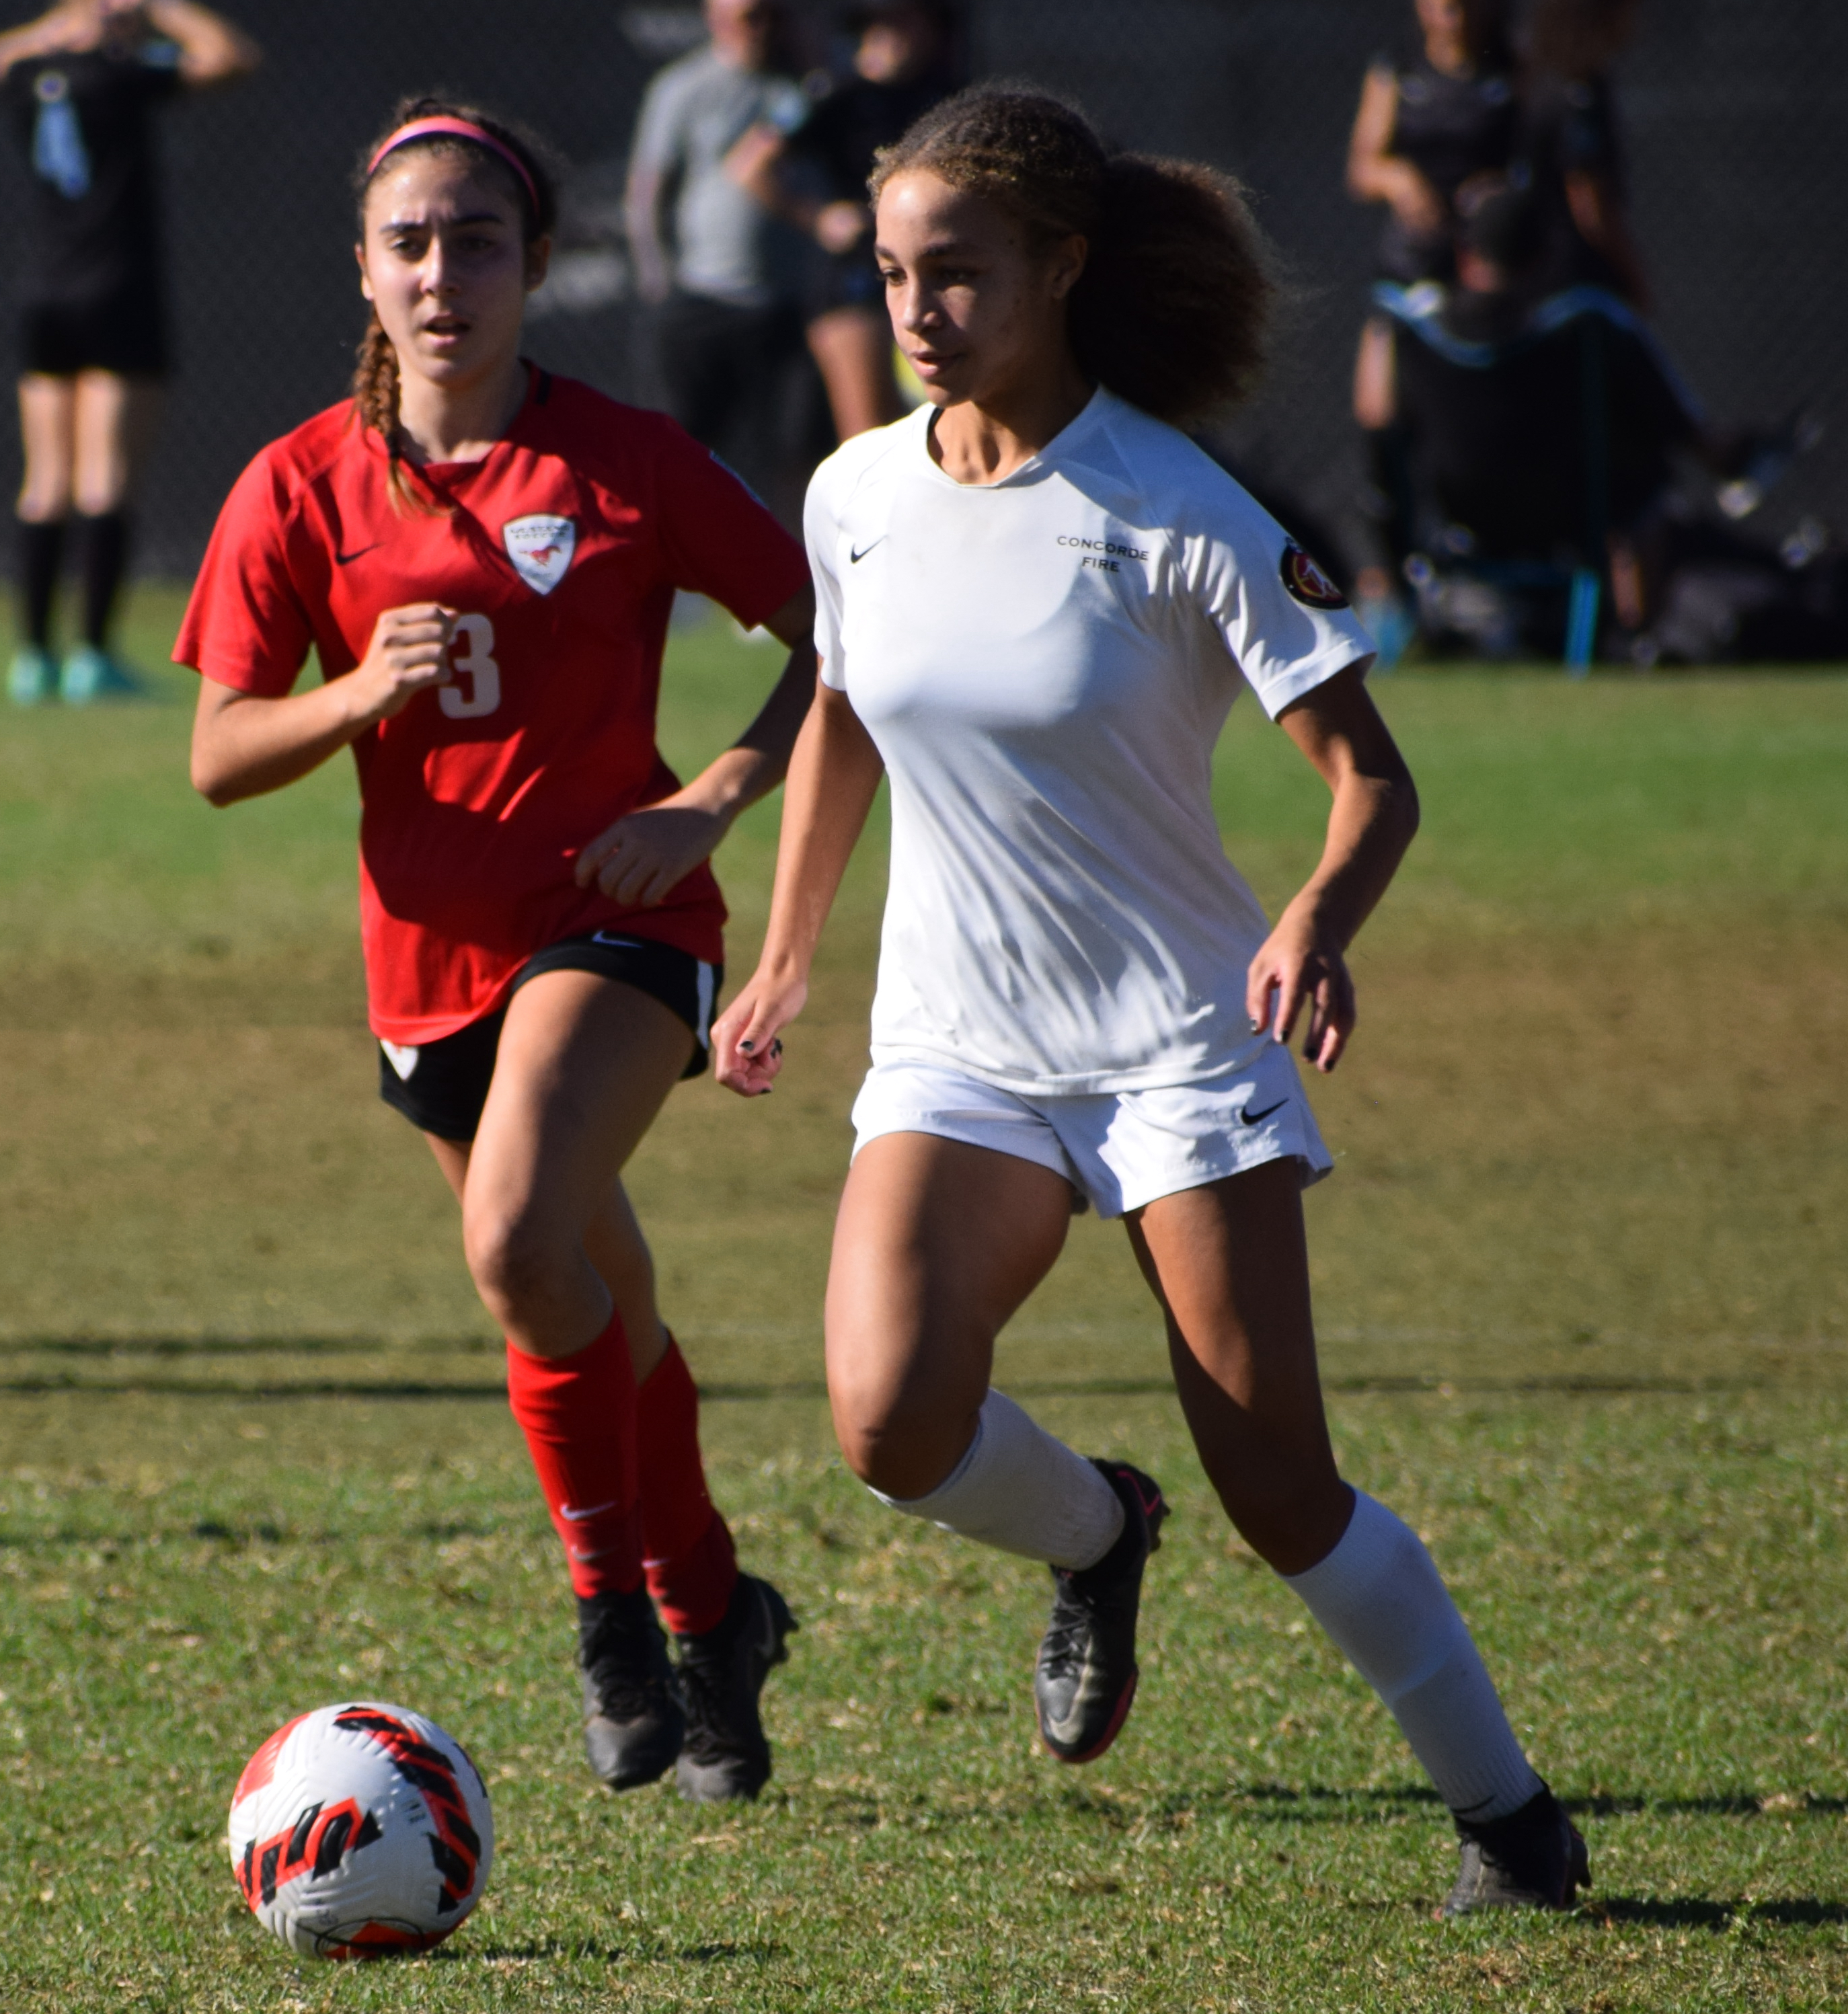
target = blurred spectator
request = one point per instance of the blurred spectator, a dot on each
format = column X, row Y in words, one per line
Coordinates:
column 816, row 177
column 725, row 274
column 1572, row 145
column 1424, row 129
column 1541, row 432
column 79, row 85
column 1509, row 459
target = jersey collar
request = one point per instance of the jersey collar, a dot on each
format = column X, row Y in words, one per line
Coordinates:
column 1035, row 466
column 447, row 475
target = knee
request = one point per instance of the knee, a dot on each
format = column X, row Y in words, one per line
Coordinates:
column 904, row 1451
column 1291, row 1517
column 97, row 497
column 867, row 1446
column 45, row 497
column 517, row 1265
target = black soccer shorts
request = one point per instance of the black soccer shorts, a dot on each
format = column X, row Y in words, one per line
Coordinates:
column 442, row 1087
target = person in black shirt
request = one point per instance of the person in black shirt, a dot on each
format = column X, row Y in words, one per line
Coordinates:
column 1573, row 147
column 1424, row 131
column 1539, row 428
column 1426, row 128
column 78, row 86
column 817, row 177
column 1543, row 430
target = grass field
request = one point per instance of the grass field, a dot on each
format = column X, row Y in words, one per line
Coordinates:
column 1581, row 1283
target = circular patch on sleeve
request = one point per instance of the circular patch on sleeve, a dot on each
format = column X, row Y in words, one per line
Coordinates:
column 1306, row 582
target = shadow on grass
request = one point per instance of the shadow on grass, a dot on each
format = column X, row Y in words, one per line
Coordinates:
column 1716, row 1804
column 1310, row 1804
column 111, row 1353
column 1802, row 1912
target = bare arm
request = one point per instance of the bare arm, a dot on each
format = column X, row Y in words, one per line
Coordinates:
column 641, row 209
column 45, row 37
column 646, row 854
column 1370, row 823
column 1376, row 174
column 244, row 746
column 1601, row 223
column 756, row 165
column 212, row 49
column 834, row 776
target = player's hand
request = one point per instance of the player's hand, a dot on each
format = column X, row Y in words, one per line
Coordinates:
column 1416, row 204
column 746, row 1045
column 1299, row 965
column 839, row 227
column 640, row 858
column 410, row 652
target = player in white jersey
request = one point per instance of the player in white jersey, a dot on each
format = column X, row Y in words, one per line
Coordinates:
column 1037, row 598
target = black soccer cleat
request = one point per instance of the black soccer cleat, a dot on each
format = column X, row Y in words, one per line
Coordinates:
column 633, row 1725
column 725, row 1756
column 1085, row 1679
column 1533, row 1859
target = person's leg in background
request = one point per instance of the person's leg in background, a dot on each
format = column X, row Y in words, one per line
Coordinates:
column 853, row 348
column 693, row 354
column 1379, row 589
column 47, row 428
column 113, row 421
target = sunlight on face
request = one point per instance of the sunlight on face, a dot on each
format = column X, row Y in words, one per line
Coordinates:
column 444, row 263
column 975, row 307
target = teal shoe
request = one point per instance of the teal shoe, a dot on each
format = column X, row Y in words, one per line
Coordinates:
column 91, row 675
column 32, row 677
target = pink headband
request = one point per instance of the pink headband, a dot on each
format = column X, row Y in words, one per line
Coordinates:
column 459, row 129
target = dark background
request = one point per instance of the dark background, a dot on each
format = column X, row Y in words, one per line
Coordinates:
column 1733, row 109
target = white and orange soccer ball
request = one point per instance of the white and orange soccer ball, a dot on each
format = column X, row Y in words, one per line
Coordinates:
column 360, row 1830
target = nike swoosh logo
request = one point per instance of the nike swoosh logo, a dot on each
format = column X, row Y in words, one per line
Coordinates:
column 577, row 1516
column 856, row 557
column 347, row 559
column 1247, row 1118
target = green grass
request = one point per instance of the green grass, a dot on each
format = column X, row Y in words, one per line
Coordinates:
column 1585, row 1315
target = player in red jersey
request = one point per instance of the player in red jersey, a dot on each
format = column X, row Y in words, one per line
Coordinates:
column 484, row 558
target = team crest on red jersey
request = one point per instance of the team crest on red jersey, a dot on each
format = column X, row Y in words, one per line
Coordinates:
column 541, row 550
column 1306, row 582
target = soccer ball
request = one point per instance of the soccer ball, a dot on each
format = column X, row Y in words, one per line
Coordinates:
column 359, row 1830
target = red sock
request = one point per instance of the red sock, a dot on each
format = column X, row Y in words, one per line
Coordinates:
column 579, row 1415
column 685, row 1546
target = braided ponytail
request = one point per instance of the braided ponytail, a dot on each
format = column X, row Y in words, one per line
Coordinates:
column 376, row 378
column 375, row 403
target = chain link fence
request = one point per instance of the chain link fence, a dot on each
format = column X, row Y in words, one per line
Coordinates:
column 1740, row 199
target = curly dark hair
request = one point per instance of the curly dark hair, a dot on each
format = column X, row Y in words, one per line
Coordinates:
column 1172, row 310
column 375, row 374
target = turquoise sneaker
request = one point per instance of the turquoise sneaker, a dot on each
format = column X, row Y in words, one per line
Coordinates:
column 89, row 674
column 32, row 677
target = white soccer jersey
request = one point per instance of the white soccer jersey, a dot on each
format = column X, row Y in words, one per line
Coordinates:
column 1045, row 664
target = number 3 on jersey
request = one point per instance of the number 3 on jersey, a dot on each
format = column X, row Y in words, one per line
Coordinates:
column 476, row 688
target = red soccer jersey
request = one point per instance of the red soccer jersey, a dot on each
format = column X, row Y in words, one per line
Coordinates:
column 562, row 552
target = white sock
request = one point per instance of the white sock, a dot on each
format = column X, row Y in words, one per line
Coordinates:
column 1378, row 1596
column 1020, row 1489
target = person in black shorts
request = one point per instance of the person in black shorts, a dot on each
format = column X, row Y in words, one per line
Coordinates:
column 79, row 86
column 816, row 177
column 1424, row 130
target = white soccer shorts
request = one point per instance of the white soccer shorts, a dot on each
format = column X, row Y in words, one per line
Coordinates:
column 1119, row 1149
